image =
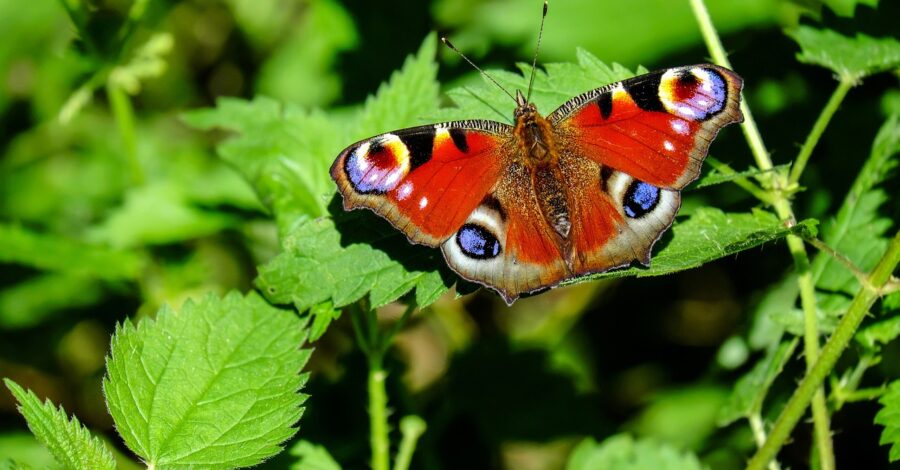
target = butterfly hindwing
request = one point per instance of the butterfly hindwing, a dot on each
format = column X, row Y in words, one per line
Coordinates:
column 655, row 127
column 425, row 180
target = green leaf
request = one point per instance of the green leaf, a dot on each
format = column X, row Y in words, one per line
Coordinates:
column 684, row 417
column 283, row 151
column 714, row 177
column 301, row 70
column 553, row 86
column 157, row 214
column 889, row 417
column 312, row 457
column 55, row 253
column 321, row 262
column 411, row 93
column 860, row 231
column 707, row 235
column 851, row 58
column 847, row 8
column 622, row 452
column 69, row 442
column 33, row 300
column 750, row 390
column 23, row 451
column 212, row 385
column 879, row 333
column 322, row 316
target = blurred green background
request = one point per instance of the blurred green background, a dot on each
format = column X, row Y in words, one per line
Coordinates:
column 122, row 222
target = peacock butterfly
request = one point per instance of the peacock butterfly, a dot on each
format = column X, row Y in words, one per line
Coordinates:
column 520, row 208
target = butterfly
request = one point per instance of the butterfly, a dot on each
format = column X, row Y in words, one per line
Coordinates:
column 519, row 208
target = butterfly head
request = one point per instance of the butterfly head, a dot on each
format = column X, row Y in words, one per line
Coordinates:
column 523, row 107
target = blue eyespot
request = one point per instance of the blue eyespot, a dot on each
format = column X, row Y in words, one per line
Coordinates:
column 477, row 242
column 640, row 199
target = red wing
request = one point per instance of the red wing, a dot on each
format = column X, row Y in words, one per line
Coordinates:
column 615, row 218
column 655, row 127
column 425, row 180
column 506, row 243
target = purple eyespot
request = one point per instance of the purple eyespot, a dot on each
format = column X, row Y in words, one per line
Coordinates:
column 640, row 199
column 477, row 242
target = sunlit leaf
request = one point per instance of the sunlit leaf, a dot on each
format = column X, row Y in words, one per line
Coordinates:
column 312, row 457
column 879, row 333
column 69, row 442
column 709, row 234
column 622, row 452
column 213, row 385
column 852, row 58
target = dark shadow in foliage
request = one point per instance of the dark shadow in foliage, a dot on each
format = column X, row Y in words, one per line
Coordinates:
column 363, row 226
column 494, row 394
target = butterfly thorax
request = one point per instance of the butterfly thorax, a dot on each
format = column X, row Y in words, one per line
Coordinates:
column 535, row 136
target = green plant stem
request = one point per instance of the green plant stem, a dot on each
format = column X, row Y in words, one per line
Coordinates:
column 818, row 129
column 124, row 115
column 411, row 428
column 832, row 351
column 821, row 421
column 378, row 423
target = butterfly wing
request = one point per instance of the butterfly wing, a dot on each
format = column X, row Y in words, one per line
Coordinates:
column 459, row 186
column 628, row 148
column 425, row 180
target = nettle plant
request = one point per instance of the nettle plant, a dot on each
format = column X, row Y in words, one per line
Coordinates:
column 218, row 383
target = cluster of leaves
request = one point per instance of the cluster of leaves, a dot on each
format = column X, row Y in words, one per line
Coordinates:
column 216, row 382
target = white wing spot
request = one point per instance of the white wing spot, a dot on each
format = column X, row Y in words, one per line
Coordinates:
column 680, row 127
column 404, row 191
column 668, row 145
column 423, row 202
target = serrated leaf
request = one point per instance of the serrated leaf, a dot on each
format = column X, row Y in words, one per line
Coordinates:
column 56, row 253
column 321, row 262
column 714, row 177
column 283, row 151
column 880, row 333
column 405, row 99
column 709, row 234
column 69, row 442
column 622, row 452
column 859, row 231
column 312, row 457
column 851, row 58
column 889, row 417
column 553, row 86
column 750, row 390
column 213, row 385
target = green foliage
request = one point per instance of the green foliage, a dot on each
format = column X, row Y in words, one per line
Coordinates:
column 750, row 390
column 860, row 230
column 879, row 333
column 55, row 253
column 848, row 7
column 709, row 234
column 31, row 301
column 851, row 58
column 316, row 266
column 69, row 442
column 632, row 31
column 312, row 457
column 212, row 385
column 889, row 417
column 622, row 452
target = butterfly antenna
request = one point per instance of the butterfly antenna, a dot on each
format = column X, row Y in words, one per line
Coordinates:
column 536, row 50
column 454, row 49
